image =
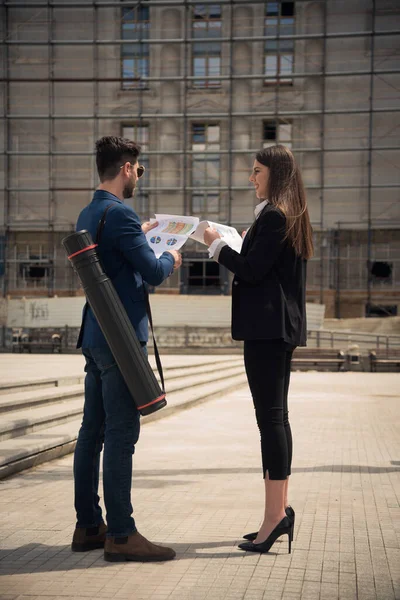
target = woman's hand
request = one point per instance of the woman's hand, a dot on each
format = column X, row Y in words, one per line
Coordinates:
column 146, row 227
column 244, row 233
column 210, row 235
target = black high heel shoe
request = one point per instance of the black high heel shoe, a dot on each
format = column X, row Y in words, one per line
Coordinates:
column 285, row 527
column 289, row 513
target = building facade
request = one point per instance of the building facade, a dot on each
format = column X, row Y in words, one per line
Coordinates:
column 203, row 86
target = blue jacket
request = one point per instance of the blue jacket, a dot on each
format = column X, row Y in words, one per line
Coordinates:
column 128, row 261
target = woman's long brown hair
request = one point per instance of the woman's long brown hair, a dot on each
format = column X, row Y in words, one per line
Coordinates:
column 286, row 192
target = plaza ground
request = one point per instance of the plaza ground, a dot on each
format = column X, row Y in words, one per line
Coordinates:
column 197, row 486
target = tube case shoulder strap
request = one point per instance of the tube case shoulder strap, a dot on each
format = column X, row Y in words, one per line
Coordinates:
column 99, row 232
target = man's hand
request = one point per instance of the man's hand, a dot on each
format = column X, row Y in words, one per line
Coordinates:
column 210, row 235
column 146, row 227
column 177, row 258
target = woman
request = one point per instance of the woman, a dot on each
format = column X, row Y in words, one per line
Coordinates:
column 268, row 313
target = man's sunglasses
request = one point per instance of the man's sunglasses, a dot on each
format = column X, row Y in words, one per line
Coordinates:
column 140, row 170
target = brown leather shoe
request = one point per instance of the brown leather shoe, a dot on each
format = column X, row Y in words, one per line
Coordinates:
column 89, row 538
column 135, row 547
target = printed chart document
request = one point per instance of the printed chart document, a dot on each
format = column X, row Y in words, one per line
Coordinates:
column 173, row 231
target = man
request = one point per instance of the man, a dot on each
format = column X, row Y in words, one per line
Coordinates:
column 110, row 416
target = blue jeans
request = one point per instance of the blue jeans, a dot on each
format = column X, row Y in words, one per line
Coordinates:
column 110, row 417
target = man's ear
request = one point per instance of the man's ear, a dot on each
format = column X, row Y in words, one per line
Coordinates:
column 125, row 168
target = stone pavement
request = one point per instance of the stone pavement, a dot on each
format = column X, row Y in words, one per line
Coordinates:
column 197, row 486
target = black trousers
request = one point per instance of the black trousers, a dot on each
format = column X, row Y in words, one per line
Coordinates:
column 267, row 365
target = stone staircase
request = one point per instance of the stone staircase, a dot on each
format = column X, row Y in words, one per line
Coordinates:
column 40, row 419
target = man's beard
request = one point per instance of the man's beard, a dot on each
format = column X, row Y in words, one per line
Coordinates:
column 129, row 190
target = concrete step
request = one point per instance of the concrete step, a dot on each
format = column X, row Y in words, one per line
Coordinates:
column 19, row 453
column 186, row 398
column 175, row 378
column 198, row 378
column 36, row 397
column 7, row 387
column 69, row 403
column 16, row 424
column 28, row 385
column 207, row 367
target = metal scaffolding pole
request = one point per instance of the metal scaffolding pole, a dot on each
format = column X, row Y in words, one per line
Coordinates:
column 187, row 202
column 277, row 78
column 258, row 38
column 256, row 76
column 152, row 3
column 52, row 215
column 95, row 89
column 322, row 161
column 208, row 189
column 7, row 140
column 181, row 152
column 186, row 16
column 141, row 90
column 230, row 119
column 338, row 272
column 211, row 115
column 370, row 134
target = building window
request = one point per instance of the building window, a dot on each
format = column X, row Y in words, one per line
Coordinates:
column 139, row 133
column 277, row 132
column 205, row 169
column 203, row 276
column 279, row 54
column 35, row 267
column 382, row 273
column 2, row 254
column 205, row 203
column 375, row 310
column 135, row 55
column 206, row 55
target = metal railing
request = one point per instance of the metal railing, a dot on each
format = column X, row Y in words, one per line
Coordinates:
column 342, row 340
column 220, row 337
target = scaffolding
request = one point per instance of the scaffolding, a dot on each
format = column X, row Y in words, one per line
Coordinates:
column 64, row 86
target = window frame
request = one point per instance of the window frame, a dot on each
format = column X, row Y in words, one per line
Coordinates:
column 199, row 191
column 278, row 123
column 206, row 54
column 283, row 49
column 135, row 82
column 195, row 283
column 142, row 197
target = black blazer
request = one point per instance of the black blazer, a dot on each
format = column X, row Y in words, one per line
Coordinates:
column 268, row 291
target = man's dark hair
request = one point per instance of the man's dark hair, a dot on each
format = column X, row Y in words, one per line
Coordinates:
column 111, row 153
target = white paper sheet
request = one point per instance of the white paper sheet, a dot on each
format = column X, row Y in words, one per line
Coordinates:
column 173, row 231
column 228, row 234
